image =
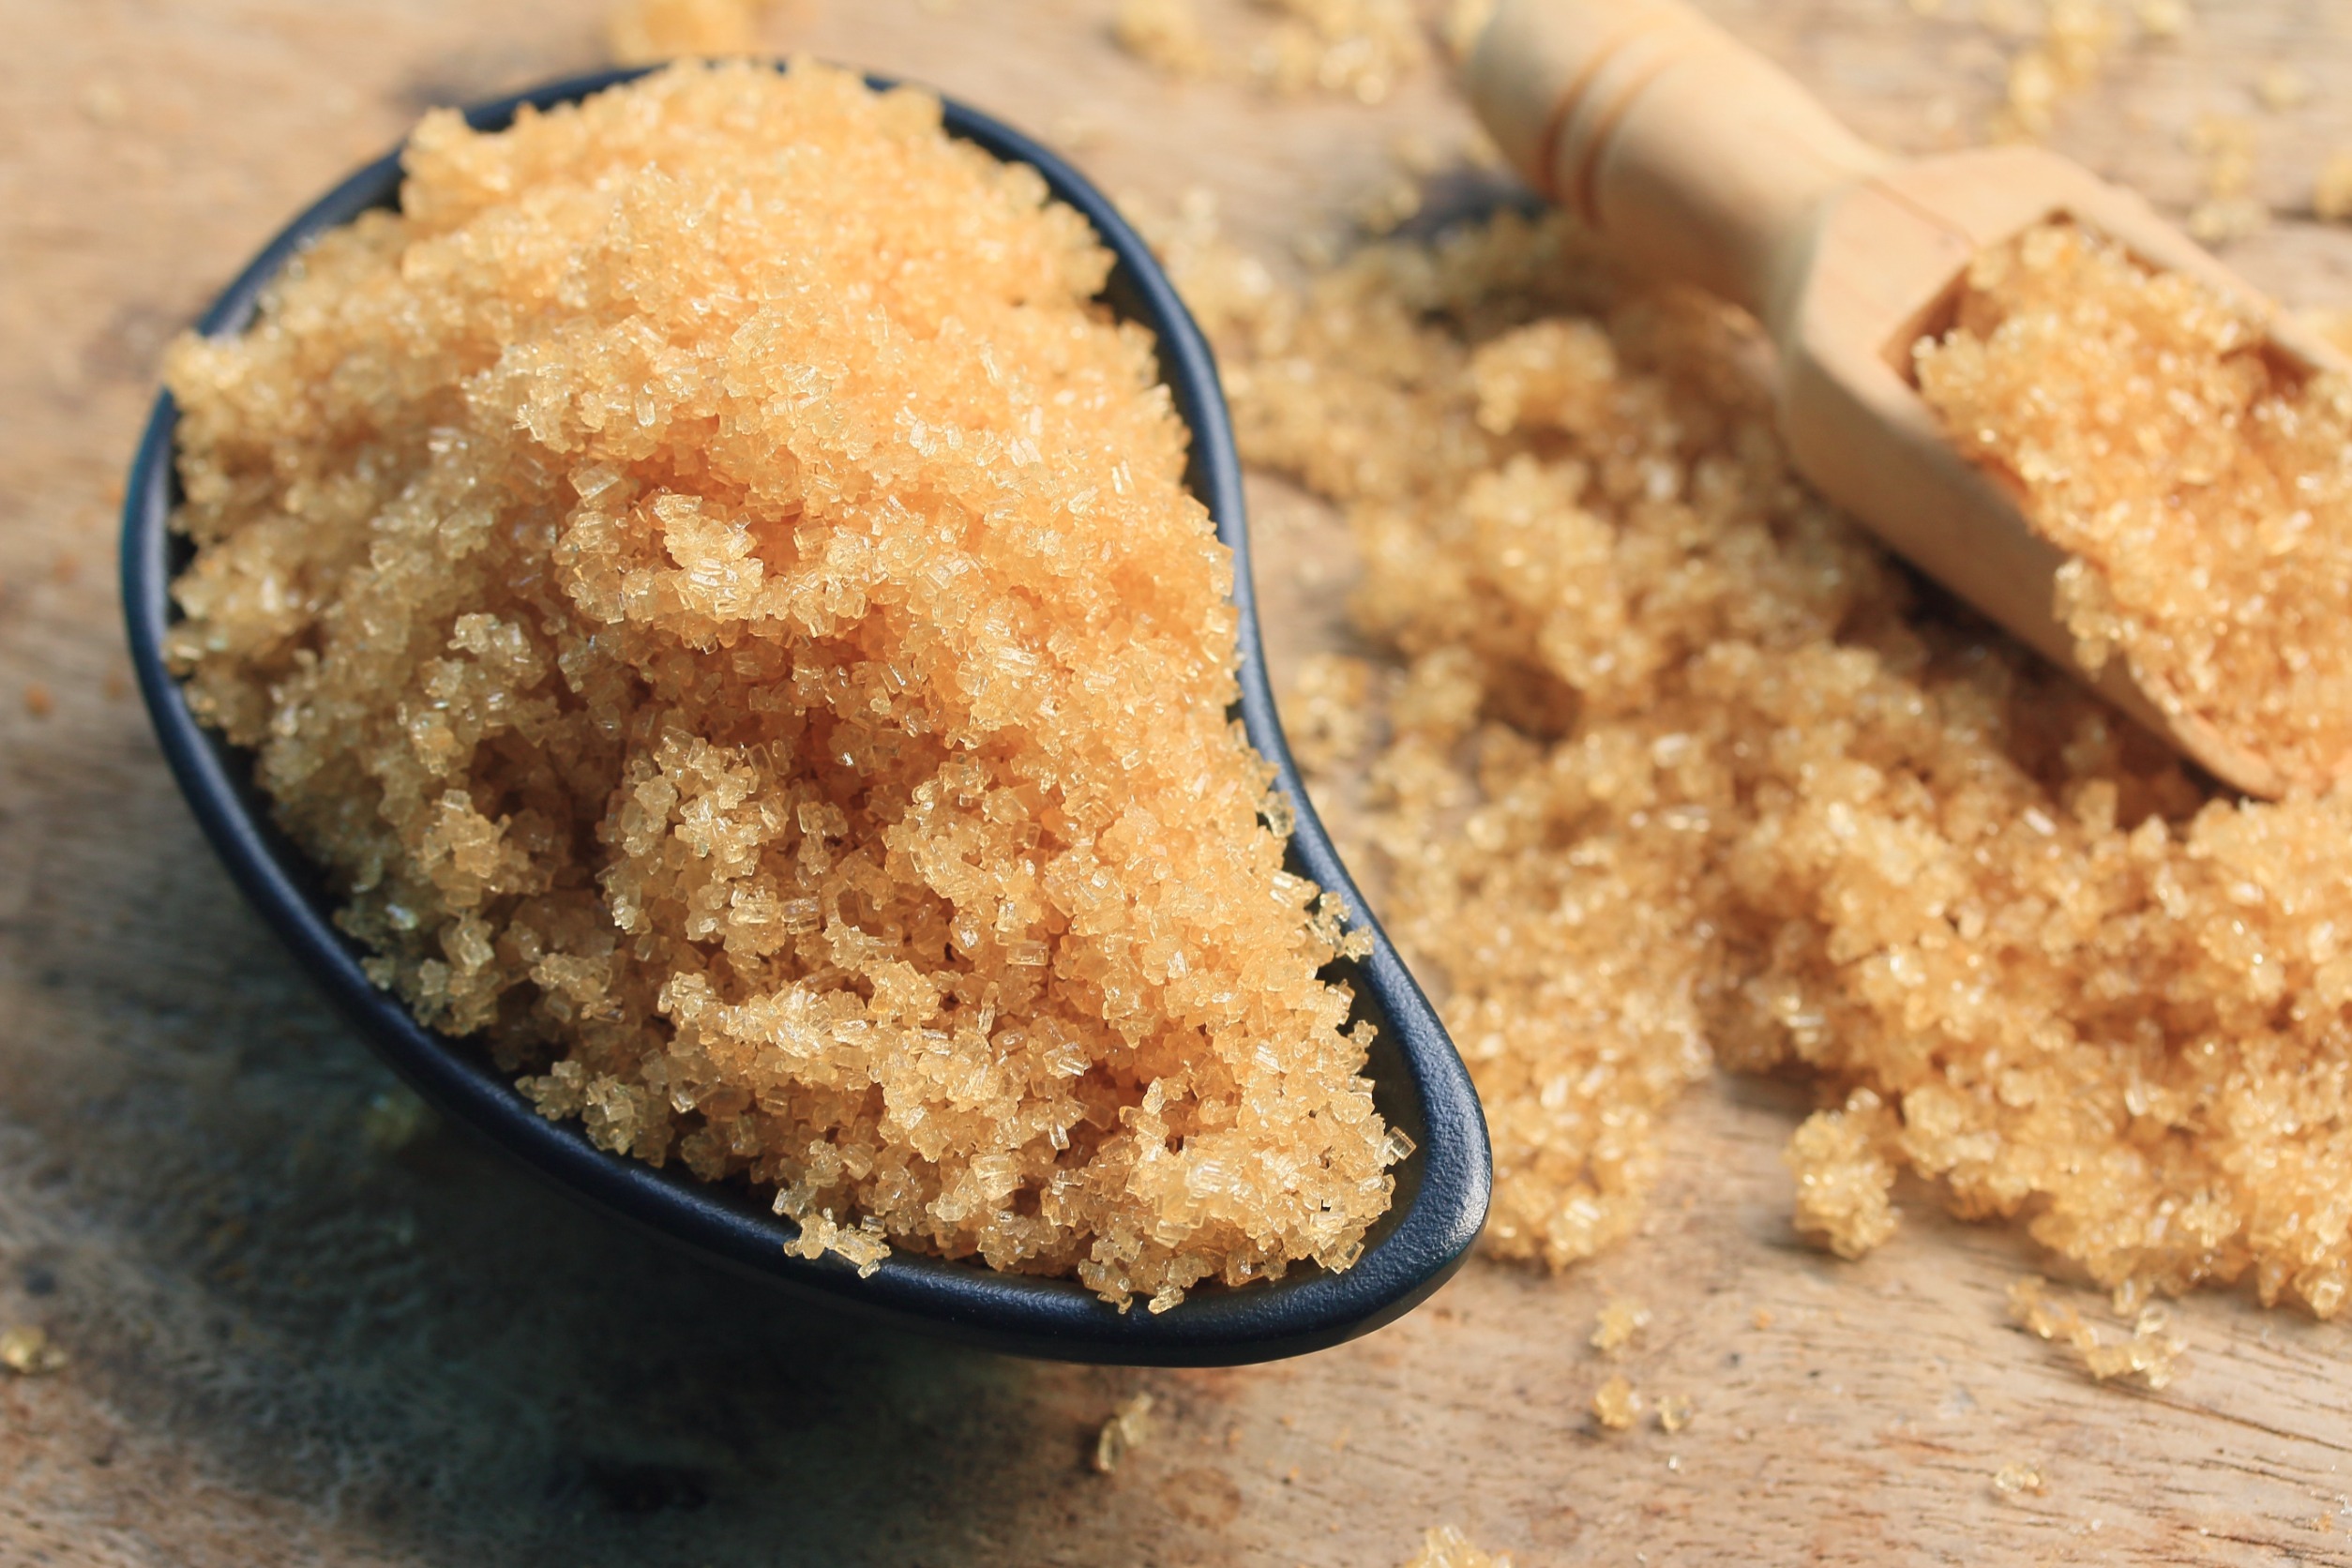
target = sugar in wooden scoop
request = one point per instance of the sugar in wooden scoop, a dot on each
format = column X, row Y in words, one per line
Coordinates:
column 722, row 602
column 2203, row 493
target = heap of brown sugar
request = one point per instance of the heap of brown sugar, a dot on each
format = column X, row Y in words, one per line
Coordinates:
column 723, row 605
column 1673, row 766
column 2203, row 494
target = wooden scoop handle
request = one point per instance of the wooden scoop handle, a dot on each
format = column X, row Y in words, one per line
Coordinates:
column 1696, row 159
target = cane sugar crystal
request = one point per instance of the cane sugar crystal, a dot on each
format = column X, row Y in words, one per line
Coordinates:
column 1165, row 34
column 2019, row 1478
column 28, row 1351
column 645, row 32
column 1446, row 1546
column 1126, row 1429
column 2151, row 1351
column 1619, row 1323
column 719, row 599
column 1615, row 1405
column 2202, row 491
column 1843, row 1178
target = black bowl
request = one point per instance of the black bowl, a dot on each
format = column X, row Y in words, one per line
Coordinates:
column 1419, row 1083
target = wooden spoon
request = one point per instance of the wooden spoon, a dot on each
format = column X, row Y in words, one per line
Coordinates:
column 1695, row 159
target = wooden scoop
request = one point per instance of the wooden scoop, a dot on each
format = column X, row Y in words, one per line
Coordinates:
column 1695, row 159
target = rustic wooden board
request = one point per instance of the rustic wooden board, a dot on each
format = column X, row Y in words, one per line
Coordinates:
column 290, row 1347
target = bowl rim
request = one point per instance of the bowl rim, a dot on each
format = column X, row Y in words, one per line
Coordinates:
column 1442, row 1188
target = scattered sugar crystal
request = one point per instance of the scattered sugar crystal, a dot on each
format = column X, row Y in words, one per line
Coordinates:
column 2225, row 146
column 2152, row 1352
column 2281, row 88
column 2223, row 220
column 722, row 604
column 1360, row 49
column 1444, row 1546
column 2204, row 495
column 1672, row 766
column 1675, row 1411
column 1615, row 1405
column 1390, row 205
column 1843, row 1177
column 1165, row 34
column 2018, row 1477
column 645, row 32
column 2073, row 40
column 1357, row 48
column 1127, row 1429
column 2331, row 190
column 1619, row 1322
column 393, row 1120
column 27, row 1351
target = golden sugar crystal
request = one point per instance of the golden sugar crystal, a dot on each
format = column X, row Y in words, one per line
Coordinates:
column 1127, row 1429
column 28, row 1351
column 1618, row 1323
column 645, row 32
column 2019, row 1478
column 723, row 604
column 1358, row 47
column 1615, row 1405
column 2152, row 1352
column 1163, row 32
column 1842, row 1179
column 1446, row 1546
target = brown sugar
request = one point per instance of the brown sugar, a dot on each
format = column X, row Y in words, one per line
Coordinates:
column 2203, row 497
column 1126, row 1429
column 1615, row 1405
column 1844, row 1176
column 1677, row 768
column 645, row 32
column 1619, row 1323
column 2152, row 1352
column 1357, row 49
column 722, row 603
column 1165, row 34
column 1360, row 49
column 2019, row 1478
column 2225, row 147
column 1446, row 1546
column 27, row 1351
column 2075, row 38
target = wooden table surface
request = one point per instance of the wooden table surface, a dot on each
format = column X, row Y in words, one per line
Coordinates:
column 288, row 1345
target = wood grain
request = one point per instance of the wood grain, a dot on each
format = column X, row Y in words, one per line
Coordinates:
column 288, row 1347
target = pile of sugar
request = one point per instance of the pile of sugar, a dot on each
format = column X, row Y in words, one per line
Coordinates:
column 1674, row 766
column 2204, row 495
column 723, row 605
